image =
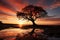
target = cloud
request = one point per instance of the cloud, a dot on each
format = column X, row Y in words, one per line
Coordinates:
column 40, row 3
column 55, row 5
column 5, row 16
column 6, row 4
column 18, row 6
column 50, row 4
column 14, row 5
column 6, row 10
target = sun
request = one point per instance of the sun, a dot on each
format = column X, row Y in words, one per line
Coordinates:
column 22, row 21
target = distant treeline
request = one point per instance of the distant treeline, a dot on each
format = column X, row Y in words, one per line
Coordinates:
column 5, row 26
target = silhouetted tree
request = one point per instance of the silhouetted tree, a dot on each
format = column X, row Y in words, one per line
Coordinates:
column 31, row 13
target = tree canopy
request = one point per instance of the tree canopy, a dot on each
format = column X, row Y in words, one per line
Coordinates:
column 32, row 12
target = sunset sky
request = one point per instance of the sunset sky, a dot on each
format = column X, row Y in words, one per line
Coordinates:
column 8, row 9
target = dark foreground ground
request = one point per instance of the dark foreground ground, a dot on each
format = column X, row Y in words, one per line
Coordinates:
column 52, row 31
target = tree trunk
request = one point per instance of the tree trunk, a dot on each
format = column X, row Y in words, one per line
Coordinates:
column 34, row 25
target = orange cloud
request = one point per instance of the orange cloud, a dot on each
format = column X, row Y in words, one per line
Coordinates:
column 18, row 6
column 55, row 5
column 6, row 10
column 6, row 13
